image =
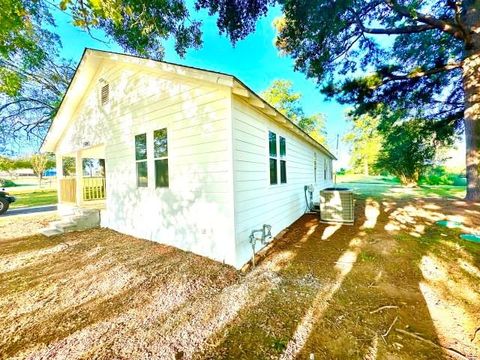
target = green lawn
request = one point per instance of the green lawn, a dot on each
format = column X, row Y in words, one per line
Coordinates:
column 380, row 186
column 33, row 198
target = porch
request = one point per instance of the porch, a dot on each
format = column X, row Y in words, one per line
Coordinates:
column 81, row 178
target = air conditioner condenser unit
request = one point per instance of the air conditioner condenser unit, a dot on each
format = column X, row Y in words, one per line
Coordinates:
column 337, row 205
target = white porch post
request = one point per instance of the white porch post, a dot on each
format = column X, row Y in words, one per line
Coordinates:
column 79, row 177
column 59, row 167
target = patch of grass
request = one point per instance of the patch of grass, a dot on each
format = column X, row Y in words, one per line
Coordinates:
column 367, row 256
column 446, row 191
column 35, row 198
column 379, row 188
column 279, row 344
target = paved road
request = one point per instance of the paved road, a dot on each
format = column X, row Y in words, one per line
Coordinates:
column 30, row 210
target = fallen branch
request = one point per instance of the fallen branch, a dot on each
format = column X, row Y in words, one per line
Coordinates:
column 390, row 328
column 383, row 308
column 452, row 351
column 475, row 333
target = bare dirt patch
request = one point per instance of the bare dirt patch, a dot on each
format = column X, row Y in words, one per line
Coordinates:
column 394, row 286
column 12, row 227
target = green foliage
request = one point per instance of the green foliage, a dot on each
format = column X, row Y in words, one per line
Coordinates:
column 438, row 175
column 32, row 76
column 140, row 27
column 282, row 96
column 365, row 141
column 6, row 183
column 68, row 164
column 414, row 75
column 408, row 151
column 341, row 171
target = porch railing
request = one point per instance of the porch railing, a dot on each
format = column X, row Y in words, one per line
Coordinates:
column 68, row 189
column 93, row 188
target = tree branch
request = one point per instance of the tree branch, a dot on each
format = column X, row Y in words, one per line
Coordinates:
column 391, row 31
column 442, row 25
column 400, row 30
column 421, row 73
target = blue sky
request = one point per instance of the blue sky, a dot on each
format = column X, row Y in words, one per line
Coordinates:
column 254, row 60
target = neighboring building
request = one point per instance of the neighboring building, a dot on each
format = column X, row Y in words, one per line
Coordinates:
column 23, row 172
column 50, row 172
column 193, row 158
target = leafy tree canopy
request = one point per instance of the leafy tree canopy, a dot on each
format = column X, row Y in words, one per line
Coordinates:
column 421, row 58
column 365, row 141
column 282, row 96
column 408, row 150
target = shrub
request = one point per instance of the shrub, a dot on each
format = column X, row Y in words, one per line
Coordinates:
column 7, row 183
column 341, row 171
column 438, row 175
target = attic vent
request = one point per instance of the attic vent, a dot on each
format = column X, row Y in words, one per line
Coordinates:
column 105, row 94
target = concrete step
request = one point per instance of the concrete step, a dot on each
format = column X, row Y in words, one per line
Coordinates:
column 80, row 219
column 49, row 232
column 66, row 226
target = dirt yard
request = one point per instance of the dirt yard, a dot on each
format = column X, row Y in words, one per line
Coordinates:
column 394, row 286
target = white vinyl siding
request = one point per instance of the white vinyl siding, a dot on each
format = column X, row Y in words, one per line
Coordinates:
column 218, row 161
column 256, row 201
column 195, row 212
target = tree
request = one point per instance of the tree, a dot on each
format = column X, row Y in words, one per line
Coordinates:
column 407, row 152
column 68, row 166
column 281, row 95
column 27, row 114
column 429, row 67
column 40, row 163
column 365, row 141
column 33, row 78
column 6, row 165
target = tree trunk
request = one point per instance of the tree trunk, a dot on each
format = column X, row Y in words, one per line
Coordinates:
column 365, row 168
column 471, row 86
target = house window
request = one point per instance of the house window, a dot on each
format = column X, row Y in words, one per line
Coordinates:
column 141, row 160
column 315, row 167
column 272, row 147
column 324, row 169
column 283, row 161
column 160, row 153
column 105, row 94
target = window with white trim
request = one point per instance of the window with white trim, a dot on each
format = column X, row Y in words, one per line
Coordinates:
column 105, row 94
column 277, row 153
column 141, row 160
column 272, row 148
column 315, row 167
column 283, row 160
column 160, row 153
column 324, row 169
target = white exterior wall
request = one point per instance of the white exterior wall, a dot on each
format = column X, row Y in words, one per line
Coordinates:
column 256, row 201
column 196, row 212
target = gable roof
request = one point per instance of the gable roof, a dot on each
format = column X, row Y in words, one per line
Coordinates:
column 88, row 65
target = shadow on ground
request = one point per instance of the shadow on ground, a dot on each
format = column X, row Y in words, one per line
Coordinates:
column 395, row 285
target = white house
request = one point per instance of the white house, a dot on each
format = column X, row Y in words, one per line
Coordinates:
column 193, row 158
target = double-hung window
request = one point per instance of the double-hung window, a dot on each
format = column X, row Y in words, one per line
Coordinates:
column 324, row 169
column 160, row 153
column 272, row 148
column 283, row 160
column 315, row 167
column 141, row 160
column 277, row 152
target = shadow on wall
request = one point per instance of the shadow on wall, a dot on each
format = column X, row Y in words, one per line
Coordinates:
column 195, row 212
column 191, row 219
